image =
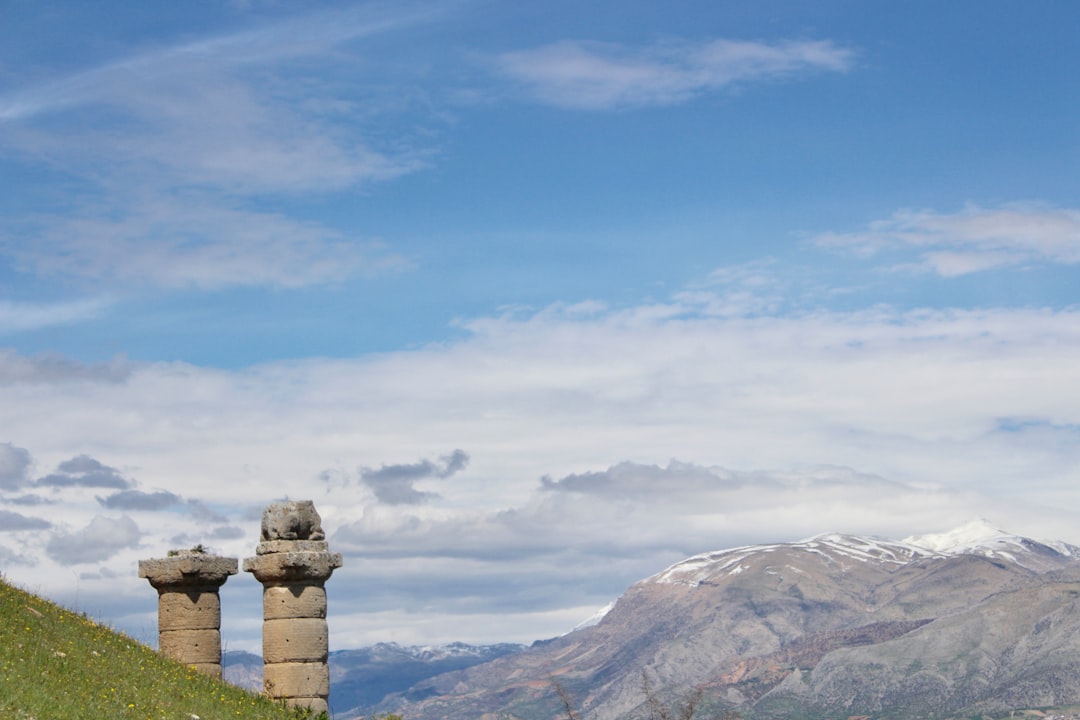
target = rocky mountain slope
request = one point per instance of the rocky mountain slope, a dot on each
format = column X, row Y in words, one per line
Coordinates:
column 834, row 626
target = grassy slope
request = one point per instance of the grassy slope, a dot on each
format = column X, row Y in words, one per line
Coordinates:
column 57, row 665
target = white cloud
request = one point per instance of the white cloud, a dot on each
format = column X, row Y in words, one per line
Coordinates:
column 972, row 240
column 597, row 76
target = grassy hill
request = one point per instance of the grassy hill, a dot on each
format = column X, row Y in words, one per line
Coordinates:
column 58, row 665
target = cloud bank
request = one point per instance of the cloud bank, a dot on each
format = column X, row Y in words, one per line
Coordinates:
column 596, row 446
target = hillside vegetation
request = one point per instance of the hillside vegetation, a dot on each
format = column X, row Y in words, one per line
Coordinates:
column 58, row 665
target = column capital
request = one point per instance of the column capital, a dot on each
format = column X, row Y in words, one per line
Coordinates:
column 285, row 565
column 188, row 569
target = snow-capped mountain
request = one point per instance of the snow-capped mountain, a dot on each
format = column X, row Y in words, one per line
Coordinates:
column 973, row 619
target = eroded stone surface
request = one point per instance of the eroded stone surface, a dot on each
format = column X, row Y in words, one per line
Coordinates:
column 303, row 640
column 293, row 567
column 191, row 647
column 297, row 680
column 190, row 610
column 188, row 569
column 276, row 546
column 292, row 520
column 294, row 601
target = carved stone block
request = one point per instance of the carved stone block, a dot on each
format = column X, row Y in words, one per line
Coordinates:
column 292, row 520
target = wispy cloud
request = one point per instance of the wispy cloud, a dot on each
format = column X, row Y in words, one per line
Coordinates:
column 185, row 119
column 297, row 36
column 600, row 76
column 190, row 243
column 972, row 240
column 20, row 316
column 173, row 153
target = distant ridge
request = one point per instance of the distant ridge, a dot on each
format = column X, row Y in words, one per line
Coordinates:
column 945, row 625
column 363, row 677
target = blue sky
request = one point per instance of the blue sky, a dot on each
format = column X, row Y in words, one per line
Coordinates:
column 667, row 279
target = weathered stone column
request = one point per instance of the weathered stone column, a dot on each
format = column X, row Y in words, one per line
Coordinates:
column 293, row 562
column 189, row 607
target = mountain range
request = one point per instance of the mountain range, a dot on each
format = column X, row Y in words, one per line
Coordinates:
column 970, row 622
column 363, row 677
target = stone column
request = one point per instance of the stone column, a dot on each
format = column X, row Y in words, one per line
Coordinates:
column 189, row 607
column 293, row 562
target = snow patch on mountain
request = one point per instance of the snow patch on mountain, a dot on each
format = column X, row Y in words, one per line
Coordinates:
column 863, row 548
column 595, row 618
column 978, row 537
column 699, row 568
column 975, row 534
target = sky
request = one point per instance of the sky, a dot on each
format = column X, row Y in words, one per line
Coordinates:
column 531, row 299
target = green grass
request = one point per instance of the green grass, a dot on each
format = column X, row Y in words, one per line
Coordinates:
column 59, row 665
